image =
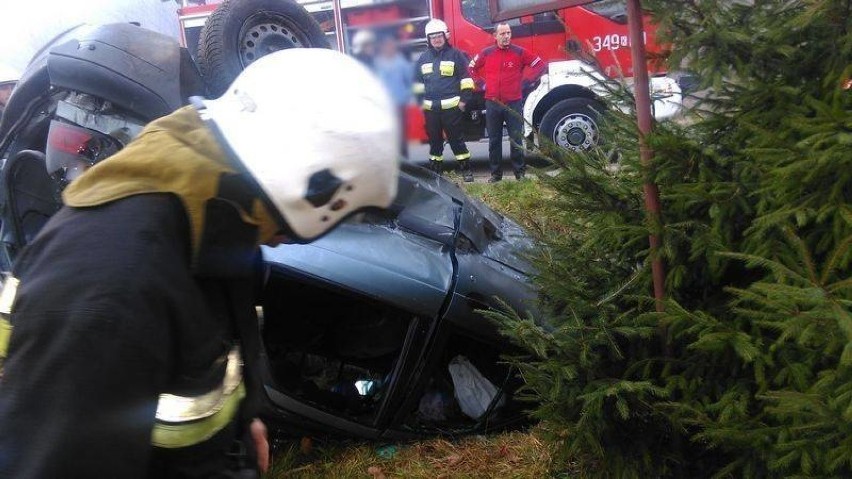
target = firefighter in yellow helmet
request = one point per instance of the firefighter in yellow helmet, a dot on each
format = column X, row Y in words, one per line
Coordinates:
column 444, row 86
column 125, row 327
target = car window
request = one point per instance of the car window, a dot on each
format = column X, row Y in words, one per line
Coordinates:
column 615, row 10
column 478, row 12
column 331, row 349
column 469, row 388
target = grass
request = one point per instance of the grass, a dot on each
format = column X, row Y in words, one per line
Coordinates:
column 528, row 202
column 505, row 456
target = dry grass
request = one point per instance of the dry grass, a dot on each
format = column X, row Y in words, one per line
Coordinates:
column 508, row 455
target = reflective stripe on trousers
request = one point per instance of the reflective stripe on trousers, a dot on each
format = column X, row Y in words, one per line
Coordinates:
column 446, row 103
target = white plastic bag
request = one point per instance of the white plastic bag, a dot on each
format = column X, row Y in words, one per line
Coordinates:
column 472, row 390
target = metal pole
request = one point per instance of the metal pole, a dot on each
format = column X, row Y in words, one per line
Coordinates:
column 339, row 28
column 646, row 155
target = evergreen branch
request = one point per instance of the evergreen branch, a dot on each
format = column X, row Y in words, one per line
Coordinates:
column 805, row 254
column 840, row 285
column 834, row 260
column 630, row 281
column 779, row 270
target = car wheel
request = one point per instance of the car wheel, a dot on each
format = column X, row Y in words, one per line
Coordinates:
column 572, row 123
column 239, row 32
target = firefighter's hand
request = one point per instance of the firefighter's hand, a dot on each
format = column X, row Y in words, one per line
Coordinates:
column 261, row 444
column 461, row 105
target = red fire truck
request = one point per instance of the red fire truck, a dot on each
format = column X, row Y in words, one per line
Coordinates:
column 582, row 45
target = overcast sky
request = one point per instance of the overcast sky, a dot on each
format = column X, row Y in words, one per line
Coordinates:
column 25, row 25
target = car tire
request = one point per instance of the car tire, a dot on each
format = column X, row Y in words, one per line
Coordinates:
column 573, row 123
column 239, row 32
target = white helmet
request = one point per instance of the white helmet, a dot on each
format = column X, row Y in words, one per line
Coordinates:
column 361, row 40
column 316, row 131
column 437, row 26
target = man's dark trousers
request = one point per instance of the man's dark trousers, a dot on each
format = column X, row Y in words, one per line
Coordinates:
column 495, row 115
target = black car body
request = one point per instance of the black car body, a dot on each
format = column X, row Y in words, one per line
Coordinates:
column 372, row 331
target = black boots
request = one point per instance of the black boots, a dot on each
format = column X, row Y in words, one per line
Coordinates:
column 467, row 174
column 464, row 168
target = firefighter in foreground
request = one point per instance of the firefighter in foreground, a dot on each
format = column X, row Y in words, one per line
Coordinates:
column 130, row 314
column 441, row 79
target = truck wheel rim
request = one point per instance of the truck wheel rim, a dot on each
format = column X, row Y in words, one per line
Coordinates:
column 264, row 34
column 576, row 132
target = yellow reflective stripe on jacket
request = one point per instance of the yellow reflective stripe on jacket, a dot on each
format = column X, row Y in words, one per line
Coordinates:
column 182, row 421
column 7, row 299
column 448, row 68
column 463, row 156
column 427, row 104
column 7, row 295
column 5, row 335
column 172, row 436
column 175, row 409
column 436, row 158
column 418, row 88
column 450, row 103
column 467, row 84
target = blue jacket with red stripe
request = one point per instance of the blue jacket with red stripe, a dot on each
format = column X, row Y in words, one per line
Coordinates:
column 502, row 70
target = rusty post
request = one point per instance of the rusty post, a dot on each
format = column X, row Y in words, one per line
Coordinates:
column 643, row 113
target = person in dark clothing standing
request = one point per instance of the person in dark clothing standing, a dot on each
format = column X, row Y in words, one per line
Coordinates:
column 128, row 342
column 441, row 80
column 502, row 67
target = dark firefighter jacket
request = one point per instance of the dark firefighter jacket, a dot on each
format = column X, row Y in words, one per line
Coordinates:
column 441, row 78
column 134, row 290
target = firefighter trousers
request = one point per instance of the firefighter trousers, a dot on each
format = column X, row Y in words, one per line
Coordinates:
column 449, row 121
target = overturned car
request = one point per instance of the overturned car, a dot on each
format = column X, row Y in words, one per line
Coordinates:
column 371, row 331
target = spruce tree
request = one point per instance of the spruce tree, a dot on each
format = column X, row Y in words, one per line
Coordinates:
column 748, row 372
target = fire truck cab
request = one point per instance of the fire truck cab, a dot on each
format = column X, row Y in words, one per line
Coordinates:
column 581, row 45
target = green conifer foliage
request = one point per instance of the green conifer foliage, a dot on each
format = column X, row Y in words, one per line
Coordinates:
column 748, row 372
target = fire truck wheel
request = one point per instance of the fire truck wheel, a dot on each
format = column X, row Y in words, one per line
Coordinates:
column 572, row 123
column 239, row 32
